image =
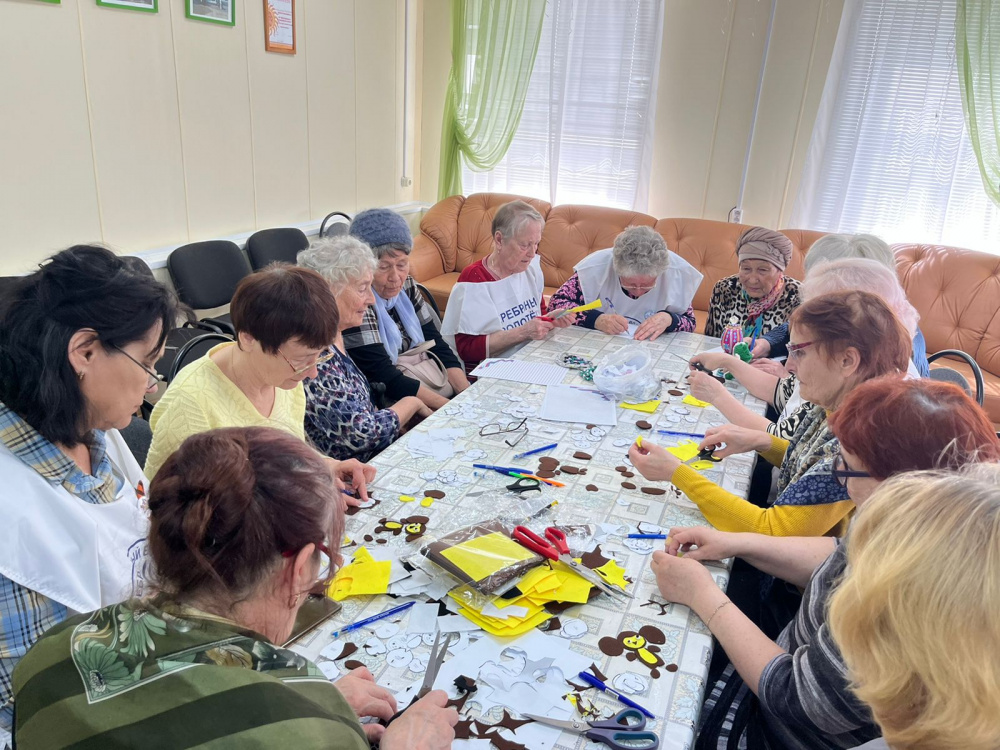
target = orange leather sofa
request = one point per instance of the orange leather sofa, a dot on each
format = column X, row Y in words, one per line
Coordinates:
column 956, row 292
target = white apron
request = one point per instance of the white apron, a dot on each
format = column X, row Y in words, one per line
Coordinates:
column 83, row 555
column 674, row 289
column 490, row 306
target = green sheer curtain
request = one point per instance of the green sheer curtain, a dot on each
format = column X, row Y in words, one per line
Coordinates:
column 977, row 50
column 493, row 48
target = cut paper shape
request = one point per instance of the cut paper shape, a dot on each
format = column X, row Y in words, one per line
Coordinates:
column 642, row 647
column 692, row 401
column 662, row 606
column 484, row 556
column 573, row 628
column 646, row 407
column 427, row 502
column 374, row 647
column 613, row 573
column 631, row 683
column 406, row 498
column 688, row 449
column 386, row 630
column 399, row 658
column 423, row 618
column 363, row 576
column 330, row 670
column 414, row 526
column 336, row 651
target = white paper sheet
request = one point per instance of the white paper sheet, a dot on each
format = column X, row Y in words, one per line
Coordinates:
column 536, row 373
column 423, row 618
column 570, row 403
column 456, row 624
column 630, row 333
column 438, row 444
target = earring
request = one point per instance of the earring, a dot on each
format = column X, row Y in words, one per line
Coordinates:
column 79, row 375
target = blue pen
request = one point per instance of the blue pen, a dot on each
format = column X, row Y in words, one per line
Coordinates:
column 501, row 469
column 536, row 450
column 647, row 536
column 374, row 618
column 682, row 434
column 594, row 682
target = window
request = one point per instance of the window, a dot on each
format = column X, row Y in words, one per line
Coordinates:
column 586, row 132
column 890, row 154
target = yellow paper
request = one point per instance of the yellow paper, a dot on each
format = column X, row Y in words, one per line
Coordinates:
column 572, row 587
column 613, row 573
column 538, row 580
column 427, row 502
column 363, row 576
column 406, row 498
column 686, row 451
column 647, row 407
column 486, row 555
column 583, row 308
column 692, row 401
column 506, row 628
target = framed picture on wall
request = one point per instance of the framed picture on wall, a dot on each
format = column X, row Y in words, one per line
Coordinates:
column 213, row 11
column 147, row 5
column 279, row 26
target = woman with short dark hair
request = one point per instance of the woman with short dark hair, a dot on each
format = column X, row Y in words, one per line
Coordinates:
column 78, row 341
column 286, row 320
column 243, row 525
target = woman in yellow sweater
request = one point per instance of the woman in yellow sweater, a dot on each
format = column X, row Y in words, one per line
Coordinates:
column 838, row 341
column 286, row 319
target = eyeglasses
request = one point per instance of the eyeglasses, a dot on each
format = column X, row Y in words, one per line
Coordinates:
column 841, row 473
column 154, row 377
column 794, row 349
column 636, row 287
column 496, row 429
column 325, row 561
column 323, row 357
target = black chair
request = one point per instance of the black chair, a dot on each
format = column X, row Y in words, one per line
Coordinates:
column 335, row 228
column 429, row 298
column 195, row 348
column 205, row 275
column 138, row 436
column 275, row 246
column 949, row 375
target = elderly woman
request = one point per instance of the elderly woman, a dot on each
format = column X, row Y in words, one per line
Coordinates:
column 242, row 526
column 497, row 306
column 925, row 670
column 286, row 321
column 760, row 297
column 793, row 692
column 400, row 323
column 840, row 341
column 78, row 340
column 643, row 287
column 341, row 419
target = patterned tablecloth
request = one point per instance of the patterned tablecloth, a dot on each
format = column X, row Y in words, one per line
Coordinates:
column 674, row 696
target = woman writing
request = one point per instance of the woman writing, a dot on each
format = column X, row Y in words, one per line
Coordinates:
column 242, row 526
column 400, row 320
column 341, row 419
column 641, row 284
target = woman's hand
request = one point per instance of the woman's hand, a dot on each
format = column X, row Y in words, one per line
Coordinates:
column 702, row 543
column 713, row 360
column 367, row 699
column 565, row 321
column 736, row 439
column 703, row 386
column 426, row 725
column 771, row 367
column 761, row 349
column 681, row 579
column 611, row 323
column 653, row 326
column 352, row 473
column 653, row 461
column 536, row 328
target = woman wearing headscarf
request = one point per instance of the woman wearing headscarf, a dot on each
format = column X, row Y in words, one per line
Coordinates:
column 643, row 287
column 400, row 320
column 760, row 297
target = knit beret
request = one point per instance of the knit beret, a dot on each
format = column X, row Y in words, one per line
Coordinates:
column 380, row 226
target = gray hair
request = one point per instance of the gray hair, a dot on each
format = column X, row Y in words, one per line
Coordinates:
column 340, row 260
column 865, row 275
column 831, row 247
column 640, row 251
column 391, row 247
column 511, row 217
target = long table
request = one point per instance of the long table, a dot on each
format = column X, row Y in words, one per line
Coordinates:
column 674, row 696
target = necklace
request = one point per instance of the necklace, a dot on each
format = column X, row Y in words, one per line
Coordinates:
column 492, row 267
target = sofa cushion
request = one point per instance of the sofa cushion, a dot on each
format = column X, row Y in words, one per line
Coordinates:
column 440, row 287
column 440, row 224
column 474, row 240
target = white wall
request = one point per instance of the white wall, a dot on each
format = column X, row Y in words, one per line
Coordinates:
column 143, row 130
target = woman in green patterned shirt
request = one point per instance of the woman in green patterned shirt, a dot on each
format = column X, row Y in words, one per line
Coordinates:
column 241, row 526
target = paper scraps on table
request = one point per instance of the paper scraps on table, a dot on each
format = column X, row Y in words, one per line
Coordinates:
column 692, row 401
column 423, row 618
column 363, row 576
column 519, row 371
column 687, row 450
column 568, row 403
column 646, row 407
column 437, row 443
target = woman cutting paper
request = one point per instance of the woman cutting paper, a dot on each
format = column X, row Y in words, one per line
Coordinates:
column 497, row 306
column 640, row 283
column 759, row 297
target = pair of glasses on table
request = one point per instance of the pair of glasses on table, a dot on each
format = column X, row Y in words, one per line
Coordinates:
column 519, row 428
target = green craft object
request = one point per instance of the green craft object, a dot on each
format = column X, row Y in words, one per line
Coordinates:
column 742, row 351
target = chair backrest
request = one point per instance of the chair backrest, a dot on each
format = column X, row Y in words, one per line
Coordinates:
column 193, row 349
column 334, row 228
column 947, row 375
column 280, row 245
column 205, row 274
column 138, row 436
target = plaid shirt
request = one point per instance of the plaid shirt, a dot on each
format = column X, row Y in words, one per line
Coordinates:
column 26, row 614
column 367, row 333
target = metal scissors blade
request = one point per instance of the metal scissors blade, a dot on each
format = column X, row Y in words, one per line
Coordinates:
column 434, row 663
column 624, row 731
column 595, row 578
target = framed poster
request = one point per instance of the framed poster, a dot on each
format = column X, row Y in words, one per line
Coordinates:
column 279, row 26
column 147, row 5
column 213, row 11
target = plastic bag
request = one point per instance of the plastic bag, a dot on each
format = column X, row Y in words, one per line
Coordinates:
column 627, row 375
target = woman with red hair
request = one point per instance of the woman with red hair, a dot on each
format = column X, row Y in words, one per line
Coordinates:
column 793, row 692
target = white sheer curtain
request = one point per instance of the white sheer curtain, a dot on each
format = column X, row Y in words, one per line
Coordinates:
column 889, row 153
column 586, row 132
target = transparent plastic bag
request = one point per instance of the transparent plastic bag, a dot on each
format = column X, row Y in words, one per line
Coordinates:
column 627, row 375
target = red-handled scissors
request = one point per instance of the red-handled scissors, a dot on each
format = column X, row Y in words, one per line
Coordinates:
column 555, row 547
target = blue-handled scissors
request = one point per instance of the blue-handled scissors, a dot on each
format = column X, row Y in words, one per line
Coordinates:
column 625, row 731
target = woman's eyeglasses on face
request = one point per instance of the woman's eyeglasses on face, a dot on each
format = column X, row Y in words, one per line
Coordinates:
column 794, row 350
column 154, row 377
column 841, row 473
column 320, row 359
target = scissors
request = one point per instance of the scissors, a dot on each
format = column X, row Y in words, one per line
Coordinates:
column 555, row 547
column 525, row 484
column 625, row 731
column 433, row 667
column 705, row 454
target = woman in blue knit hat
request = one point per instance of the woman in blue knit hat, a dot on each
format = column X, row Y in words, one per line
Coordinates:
column 398, row 342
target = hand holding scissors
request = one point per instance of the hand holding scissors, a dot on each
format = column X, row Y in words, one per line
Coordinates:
column 625, row 731
column 555, row 547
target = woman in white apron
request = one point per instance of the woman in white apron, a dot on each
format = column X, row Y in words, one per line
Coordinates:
column 645, row 289
column 78, row 341
column 497, row 306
